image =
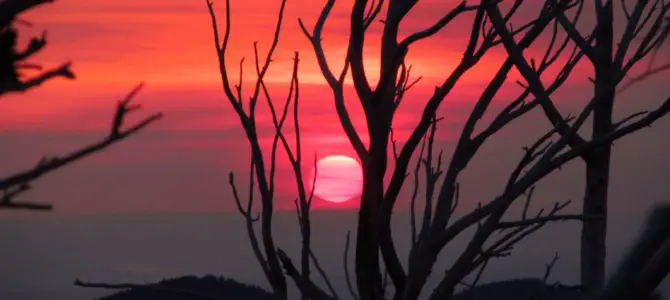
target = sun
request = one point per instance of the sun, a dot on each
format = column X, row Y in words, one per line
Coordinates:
column 338, row 178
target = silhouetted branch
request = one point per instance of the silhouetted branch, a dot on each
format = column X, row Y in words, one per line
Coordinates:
column 439, row 25
column 238, row 202
column 336, row 84
column 646, row 121
column 345, row 263
column 370, row 16
column 35, row 45
column 404, row 84
column 527, row 222
column 265, row 181
column 473, row 256
column 549, row 267
column 573, row 33
column 534, row 83
column 432, row 175
column 20, row 182
column 467, row 148
column 248, row 217
column 9, row 194
column 520, row 230
column 22, row 86
column 415, row 193
column 479, row 274
column 628, row 119
column 306, row 287
column 639, row 78
column 323, row 274
column 394, row 144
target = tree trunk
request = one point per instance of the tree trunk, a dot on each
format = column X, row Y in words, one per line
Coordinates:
column 368, row 271
column 368, row 275
column 594, row 232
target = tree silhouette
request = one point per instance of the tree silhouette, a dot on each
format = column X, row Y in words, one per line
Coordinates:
column 495, row 231
column 494, row 235
column 11, row 62
column 612, row 62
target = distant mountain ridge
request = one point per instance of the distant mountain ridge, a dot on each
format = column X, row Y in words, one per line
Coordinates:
column 208, row 286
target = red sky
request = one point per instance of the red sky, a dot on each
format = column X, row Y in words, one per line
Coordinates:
column 168, row 44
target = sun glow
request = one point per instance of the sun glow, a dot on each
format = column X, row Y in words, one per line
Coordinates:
column 338, row 178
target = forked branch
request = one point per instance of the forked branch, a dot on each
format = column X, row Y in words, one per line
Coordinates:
column 16, row 184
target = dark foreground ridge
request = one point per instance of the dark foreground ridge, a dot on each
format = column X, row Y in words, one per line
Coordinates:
column 208, row 286
column 525, row 289
column 211, row 287
column 519, row 289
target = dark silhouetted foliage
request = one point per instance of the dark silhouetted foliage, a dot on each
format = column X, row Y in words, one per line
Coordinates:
column 8, row 73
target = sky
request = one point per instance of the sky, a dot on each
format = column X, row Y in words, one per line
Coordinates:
column 154, row 190
column 180, row 164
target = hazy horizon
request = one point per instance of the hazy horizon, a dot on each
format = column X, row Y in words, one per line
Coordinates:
column 49, row 252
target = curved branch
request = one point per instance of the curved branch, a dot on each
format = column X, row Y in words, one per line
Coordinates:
column 356, row 42
column 335, row 84
column 439, row 25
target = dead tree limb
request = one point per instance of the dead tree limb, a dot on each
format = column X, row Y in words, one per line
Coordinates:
column 20, row 182
column 274, row 274
column 345, row 263
column 494, row 236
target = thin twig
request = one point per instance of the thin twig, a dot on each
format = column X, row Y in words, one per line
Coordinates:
column 549, row 267
column 345, row 262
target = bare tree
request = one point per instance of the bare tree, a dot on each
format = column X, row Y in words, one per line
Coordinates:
column 495, row 234
column 612, row 61
column 11, row 62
